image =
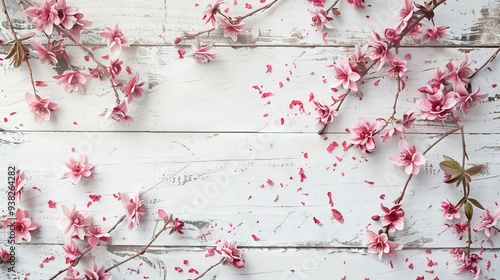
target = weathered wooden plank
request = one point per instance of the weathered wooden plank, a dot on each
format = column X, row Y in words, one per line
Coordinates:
column 219, row 97
column 218, row 184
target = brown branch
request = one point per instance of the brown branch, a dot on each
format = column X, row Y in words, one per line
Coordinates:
column 265, row 7
column 492, row 57
column 392, row 117
column 195, row 35
column 332, row 6
column 210, row 268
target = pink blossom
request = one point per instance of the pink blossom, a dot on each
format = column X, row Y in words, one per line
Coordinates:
column 77, row 169
column 4, row 255
column 357, row 3
column 44, row 17
column 378, row 50
column 231, row 29
column 457, row 254
column 345, row 75
column 115, row 38
column 21, row 226
column 409, row 158
column 42, row 52
column 211, row 11
column 96, row 234
column 405, row 15
column 77, row 28
column 450, row 212
column 470, row 263
column 40, row 108
column 135, row 208
column 201, row 53
column 389, row 133
column 458, row 73
column 73, row 80
column 393, row 218
column 397, row 67
column 380, row 244
column 74, row 222
column 434, row 33
column 317, row 3
column 178, row 225
column 391, row 34
column 320, row 19
column 408, row 120
column 72, row 252
column 115, row 68
column 466, row 100
column 233, row 255
column 73, row 274
column 438, row 106
column 133, row 89
column 96, row 73
column 97, row 274
column 459, row 229
column 359, row 55
column 324, row 114
column 489, row 221
column 66, row 14
column 119, row 113
column 19, row 185
column 362, row 135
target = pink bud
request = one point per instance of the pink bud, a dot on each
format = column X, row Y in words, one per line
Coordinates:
column 375, row 217
column 162, row 213
column 177, row 40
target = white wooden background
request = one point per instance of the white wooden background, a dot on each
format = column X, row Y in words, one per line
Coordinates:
column 204, row 141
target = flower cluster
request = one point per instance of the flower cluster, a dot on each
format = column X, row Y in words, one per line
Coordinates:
column 393, row 219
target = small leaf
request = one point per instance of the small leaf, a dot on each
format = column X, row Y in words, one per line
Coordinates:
column 451, row 166
column 469, row 211
column 476, row 203
column 474, row 170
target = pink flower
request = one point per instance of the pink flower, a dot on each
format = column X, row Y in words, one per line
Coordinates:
column 73, row 80
column 320, row 19
column 43, row 53
column 466, row 100
column 210, row 12
column 44, row 17
column 459, row 229
column 115, row 38
column 119, row 113
column 178, row 225
column 363, row 133
column 433, row 34
column 135, row 208
column 72, row 253
column 4, row 255
column 357, row 3
column 389, row 133
column 458, row 73
column 359, row 55
column 488, row 222
column 66, row 14
column 317, row 3
column 115, row 68
column 397, row 67
column 233, row 255
column 21, row 226
column 79, row 25
column 391, row 34
column 470, row 263
column 97, row 274
column 408, row 157
column 96, row 234
column 19, row 185
column 450, row 212
column 40, row 108
column 201, row 53
column 380, row 244
column 378, row 51
column 393, row 218
column 230, row 29
column 437, row 106
column 408, row 120
column 77, row 168
column 405, row 15
column 73, row 274
column 345, row 75
column 74, row 222
column 133, row 89
column 324, row 114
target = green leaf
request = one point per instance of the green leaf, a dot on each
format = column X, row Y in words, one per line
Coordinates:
column 476, row 203
column 469, row 211
column 474, row 170
column 451, row 166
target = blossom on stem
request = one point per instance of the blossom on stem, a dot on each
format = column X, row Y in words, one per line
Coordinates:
column 96, row 234
column 470, row 263
column 231, row 253
column 73, row 80
column 45, row 16
column 434, row 33
column 450, row 212
column 405, row 15
column 116, row 40
column 378, row 50
column 437, row 106
column 362, row 135
column 409, row 158
column 97, row 273
column 21, row 226
column 66, row 14
column 324, row 114
column 466, row 100
column 40, row 108
column 19, row 185
column 115, row 68
column 201, row 53
column 135, row 208
column 4, row 255
column 345, row 75
column 393, row 218
column 231, row 29
column 386, row 134
column 391, row 34
column 408, row 120
column 380, row 244
column 72, row 252
column 79, row 25
column 320, row 19
column 77, row 169
column 133, row 89
column 458, row 73
column 119, row 113
column 42, row 52
column 397, row 67
column 73, row 274
column 74, row 222
column 211, row 11
column 488, row 221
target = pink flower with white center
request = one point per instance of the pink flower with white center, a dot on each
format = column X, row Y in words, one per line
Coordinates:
column 119, row 113
column 66, row 14
column 317, row 3
column 202, row 54
column 96, row 234
column 73, row 80
column 409, row 158
column 458, row 73
column 391, row 34
column 397, row 67
column 437, row 106
column 389, row 133
column 77, row 169
column 393, row 218
column 362, row 135
column 380, row 244
column 408, row 120
column 74, row 222
column 73, row 274
column 115, row 38
column 378, row 50
column 230, row 29
column 42, row 52
column 324, row 114
column 97, row 273
column 210, row 12
column 135, row 208
column 466, row 100
column 345, row 75
column 450, row 212
column 79, row 25
column 434, row 33
column 133, row 89
column 470, row 263
column 115, row 68
column 19, row 185
column 489, row 221
column 4, row 255
column 357, row 3
column 405, row 15
column 233, row 255
column 320, row 19
column 21, row 226
column 72, row 252
column 44, row 17
column 40, row 108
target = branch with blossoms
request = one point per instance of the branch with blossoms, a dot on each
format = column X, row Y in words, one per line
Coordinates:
column 322, row 19
column 230, row 253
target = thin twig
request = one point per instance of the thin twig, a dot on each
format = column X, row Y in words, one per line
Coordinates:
column 210, row 268
column 265, row 7
column 392, row 117
column 332, row 6
column 195, row 35
column 492, row 57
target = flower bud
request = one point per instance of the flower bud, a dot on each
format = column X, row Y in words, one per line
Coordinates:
column 375, row 217
column 177, row 40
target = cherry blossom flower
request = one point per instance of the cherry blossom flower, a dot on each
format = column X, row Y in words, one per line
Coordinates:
column 362, row 135
column 409, row 158
column 44, row 17
column 73, row 274
column 345, row 75
column 458, row 73
column 21, row 226
column 19, row 185
column 488, row 222
column 389, row 133
column 357, row 3
column 135, row 208
column 437, row 106
column 97, row 274
column 115, row 68
column 178, row 225
column 66, row 14
column 324, row 114
column 391, row 34
column 393, row 218
column 133, row 89
column 119, row 113
column 378, row 50
column 201, row 53
column 74, row 222
column 96, row 234
column 317, row 3
column 72, row 252
column 434, row 33
column 96, row 73
column 233, row 255
column 470, row 263
column 408, row 120
column 405, row 15
column 79, row 25
column 42, row 52
column 231, row 29
column 465, row 100
column 211, row 11
column 397, row 67
column 78, row 169
column 4, row 255
column 360, row 54
column 380, row 244
column 73, row 80
column 450, row 212
column 116, row 40
column 320, row 19
column 459, row 229
column 40, row 108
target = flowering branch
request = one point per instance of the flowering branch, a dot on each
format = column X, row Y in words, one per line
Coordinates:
column 210, row 268
column 265, row 7
column 492, row 57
